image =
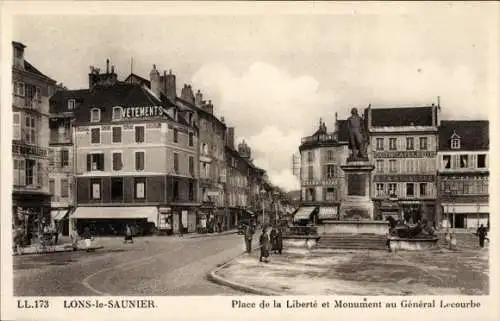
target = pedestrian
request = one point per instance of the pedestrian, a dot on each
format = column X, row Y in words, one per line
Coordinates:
column 264, row 246
column 272, row 236
column 219, row 225
column 481, row 233
column 88, row 238
column 248, row 238
column 128, row 234
column 279, row 240
column 181, row 229
column 74, row 239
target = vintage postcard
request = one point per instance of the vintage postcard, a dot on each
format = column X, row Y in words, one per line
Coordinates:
column 241, row 160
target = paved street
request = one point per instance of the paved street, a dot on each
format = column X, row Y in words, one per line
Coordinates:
column 150, row 266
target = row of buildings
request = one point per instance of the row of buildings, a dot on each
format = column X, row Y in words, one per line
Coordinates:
column 129, row 151
column 425, row 167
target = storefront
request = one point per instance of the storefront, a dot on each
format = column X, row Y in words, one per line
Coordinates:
column 465, row 215
column 112, row 221
column 31, row 212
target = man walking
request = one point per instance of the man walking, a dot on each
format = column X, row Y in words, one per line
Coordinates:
column 264, row 243
column 481, row 233
column 248, row 238
column 279, row 240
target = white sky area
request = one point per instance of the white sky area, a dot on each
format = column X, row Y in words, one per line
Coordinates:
column 273, row 76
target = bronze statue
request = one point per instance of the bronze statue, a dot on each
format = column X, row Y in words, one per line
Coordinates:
column 357, row 143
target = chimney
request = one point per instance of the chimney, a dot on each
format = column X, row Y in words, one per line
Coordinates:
column 230, row 137
column 222, row 120
column 439, row 102
column 208, row 107
column 18, row 54
column 187, row 94
column 113, row 69
column 198, row 99
column 170, row 86
column 154, row 78
column 107, row 66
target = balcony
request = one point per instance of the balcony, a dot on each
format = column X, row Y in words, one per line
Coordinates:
column 29, row 150
column 60, row 138
column 28, row 103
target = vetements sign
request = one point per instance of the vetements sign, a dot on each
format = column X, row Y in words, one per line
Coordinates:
column 141, row 112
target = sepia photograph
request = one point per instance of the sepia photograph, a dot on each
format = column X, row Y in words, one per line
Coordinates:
column 334, row 153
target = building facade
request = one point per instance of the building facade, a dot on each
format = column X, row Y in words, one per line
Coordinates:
column 135, row 161
column 463, row 174
column 30, row 141
column 62, row 153
column 403, row 148
column 321, row 177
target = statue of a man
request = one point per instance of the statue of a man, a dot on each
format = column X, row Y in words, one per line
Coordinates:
column 356, row 139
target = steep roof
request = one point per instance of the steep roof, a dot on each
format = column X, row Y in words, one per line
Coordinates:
column 138, row 78
column 59, row 101
column 401, row 116
column 474, row 134
column 119, row 94
column 30, row 68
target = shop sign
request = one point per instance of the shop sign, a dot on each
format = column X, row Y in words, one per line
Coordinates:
column 405, row 154
column 142, row 112
column 404, row 178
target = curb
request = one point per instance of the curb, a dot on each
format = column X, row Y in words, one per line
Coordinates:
column 213, row 277
column 60, row 251
column 211, row 234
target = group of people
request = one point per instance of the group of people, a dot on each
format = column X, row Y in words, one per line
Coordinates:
column 270, row 240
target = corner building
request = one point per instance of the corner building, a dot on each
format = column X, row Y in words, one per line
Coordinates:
column 31, row 90
column 403, row 148
column 135, row 162
column 463, row 174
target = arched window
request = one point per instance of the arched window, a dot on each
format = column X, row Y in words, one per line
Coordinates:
column 95, row 115
column 117, row 113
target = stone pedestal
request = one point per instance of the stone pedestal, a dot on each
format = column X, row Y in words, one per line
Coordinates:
column 357, row 204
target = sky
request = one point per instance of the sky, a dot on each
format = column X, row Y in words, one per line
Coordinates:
column 273, row 76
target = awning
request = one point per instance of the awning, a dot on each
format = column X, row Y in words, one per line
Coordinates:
column 130, row 212
column 303, row 213
column 465, row 208
column 389, row 206
column 327, row 212
column 58, row 215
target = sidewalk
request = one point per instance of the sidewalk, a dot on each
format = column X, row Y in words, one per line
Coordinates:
column 362, row 272
column 196, row 235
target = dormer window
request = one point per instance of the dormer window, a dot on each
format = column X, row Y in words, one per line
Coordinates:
column 71, row 104
column 455, row 141
column 95, row 115
column 117, row 113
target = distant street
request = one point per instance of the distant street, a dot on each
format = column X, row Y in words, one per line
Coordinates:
column 151, row 266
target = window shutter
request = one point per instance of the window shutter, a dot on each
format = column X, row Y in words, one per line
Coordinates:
column 89, row 162
column 101, row 162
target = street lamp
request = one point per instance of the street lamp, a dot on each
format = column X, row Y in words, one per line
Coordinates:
column 276, row 204
column 262, row 194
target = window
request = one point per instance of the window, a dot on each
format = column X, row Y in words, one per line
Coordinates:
column 95, row 136
column 464, row 161
column 176, row 136
column 423, row 143
column 139, row 134
column 410, row 168
column 380, row 165
column 176, row 191
column 117, row 189
column 423, row 189
column 95, row 189
column 191, row 165
column 447, row 161
column 117, row 113
column 19, row 89
column 191, row 140
column 410, row 143
column 481, row 161
column 51, row 157
column 64, row 187
column 330, row 171
column 392, row 144
column 392, row 165
column 455, row 143
column 139, row 161
column 310, row 172
column 176, row 163
column 330, row 156
column 191, row 191
column 52, row 187
column 18, row 52
column 380, row 144
column 95, row 162
column 311, row 194
column 95, row 115
column 409, row 189
column 330, row 194
column 117, row 134
column 16, row 126
column 64, row 158
column 140, row 188
column 19, row 172
column 117, row 161
column 30, row 172
column 30, row 130
column 392, row 189
column 380, row 189
column 310, row 157
column 71, row 104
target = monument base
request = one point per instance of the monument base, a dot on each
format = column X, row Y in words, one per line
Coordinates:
column 412, row 244
column 353, row 227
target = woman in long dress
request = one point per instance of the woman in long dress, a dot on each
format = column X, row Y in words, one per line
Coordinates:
column 264, row 243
